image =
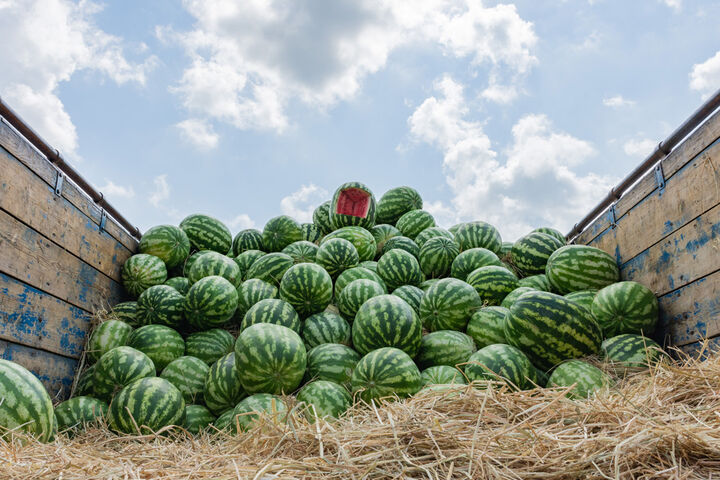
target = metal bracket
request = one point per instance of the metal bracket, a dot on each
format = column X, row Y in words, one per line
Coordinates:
column 103, row 220
column 59, row 183
column 660, row 177
column 613, row 215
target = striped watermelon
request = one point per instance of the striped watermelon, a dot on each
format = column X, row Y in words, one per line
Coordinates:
column 209, row 345
column 630, row 350
column 321, row 218
column 538, row 282
column 583, row 297
column 167, row 242
column 331, row 361
column 362, row 240
column 471, row 260
column 397, row 268
column 302, row 251
column 385, row 372
column 437, row 255
column 105, row 337
column 549, row 328
column 249, row 239
column 585, row 379
column 401, row 243
column 537, row 378
column 213, row 263
column 307, row 287
column 125, row 312
column 188, row 375
column 207, row 233
column 487, row 326
column 530, row 254
column 353, row 204
column 356, row 273
column 414, row 222
column 478, row 235
column 161, row 304
column 454, row 228
column 181, row 284
column 260, row 405
column 337, row 255
column 381, row 234
column 24, row 403
column 145, row 406
column 85, row 383
column 222, row 389
column 411, row 294
column 448, row 305
column 625, row 307
column 311, row 233
column 325, row 327
column 227, row 421
column 442, row 375
column 552, row 232
column 493, row 283
column 386, row 321
column 79, row 411
column 273, row 311
column 355, row 294
column 580, row 267
column 324, row 399
column 162, row 344
column 279, row 232
column 270, row 359
column 197, row 418
column 210, row 303
column 251, row 292
column 369, row 265
column 192, row 259
column 505, row 249
column 514, row 295
column 424, row 286
column 119, row 367
column 141, row 272
column 246, row 259
column 396, row 202
column 432, row 232
column 444, row 347
column 500, row 362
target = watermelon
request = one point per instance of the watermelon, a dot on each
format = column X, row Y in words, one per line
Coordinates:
column 210, row 303
column 500, row 361
column 252, row 408
column 437, row 255
column 141, row 272
column 538, row 282
column 414, row 222
column 625, row 307
column 145, row 406
column 105, row 337
column 125, row 312
column 222, row 389
column 249, row 239
column 432, row 232
column 197, row 418
column 79, row 411
column 362, row 240
column 84, row 385
column 448, row 305
column 24, row 403
column 192, row 259
column 385, row 372
column 505, row 249
column 401, row 243
column 119, row 367
column 424, row 286
column 514, row 295
column 487, row 326
column 630, row 350
column 324, row 399
column 454, row 228
column 251, row 292
column 167, row 242
column 188, row 375
column 411, row 294
column 301, row 252
column 331, row 361
column 584, row 378
column 279, row 232
column 397, row 268
column 273, row 311
column 580, row 267
column 355, row 294
column 583, row 297
column 311, row 233
column 161, row 304
column 386, row 321
column 444, row 347
column 307, row 287
column 442, row 375
column 213, row 263
column 245, row 260
column 549, row 328
column 530, row 254
column 381, row 234
column 337, row 255
column 227, row 421
column 478, row 235
column 207, row 233
column 162, row 344
column 552, row 232
column 356, row 273
column 537, row 378
column 369, row 265
column 270, row 359
column 325, row 327
column 209, row 345
column 181, row 284
column 493, row 283
column 472, row 259
column 353, row 204
column 321, row 218
column 397, row 202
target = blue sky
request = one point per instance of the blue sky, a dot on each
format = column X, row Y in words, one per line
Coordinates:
column 522, row 114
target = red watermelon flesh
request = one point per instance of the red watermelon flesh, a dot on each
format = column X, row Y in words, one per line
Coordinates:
column 354, row 202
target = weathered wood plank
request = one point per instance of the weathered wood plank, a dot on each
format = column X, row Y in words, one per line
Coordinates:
column 23, row 151
column 32, row 258
column 26, row 197
column 35, row 319
column 54, row 371
column 702, row 349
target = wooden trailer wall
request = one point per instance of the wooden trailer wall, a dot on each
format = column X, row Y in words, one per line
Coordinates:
column 60, row 260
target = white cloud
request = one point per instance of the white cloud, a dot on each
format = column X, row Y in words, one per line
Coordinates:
column 45, row 42
column 161, row 192
column 639, row 147
column 618, row 101
column 532, row 183
column 241, row 222
column 111, row 189
column 674, row 4
column 249, row 60
column 198, row 133
column 705, row 77
column 301, row 204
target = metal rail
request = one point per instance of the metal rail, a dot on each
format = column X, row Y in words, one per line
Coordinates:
column 660, row 152
column 56, row 159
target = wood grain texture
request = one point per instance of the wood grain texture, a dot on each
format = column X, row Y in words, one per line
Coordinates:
column 54, row 371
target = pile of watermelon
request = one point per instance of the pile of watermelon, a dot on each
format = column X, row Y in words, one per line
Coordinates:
column 370, row 301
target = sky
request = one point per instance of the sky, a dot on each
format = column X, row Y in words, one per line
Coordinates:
column 521, row 114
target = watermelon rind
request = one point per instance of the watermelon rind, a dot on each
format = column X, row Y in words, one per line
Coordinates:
column 213, row 263
column 383, row 373
column 222, row 390
column 531, row 252
column 487, row 326
column 325, row 327
column 311, row 233
column 207, row 233
column 331, row 361
column 146, row 406
column 478, row 234
column 25, row 405
column 514, row 295
column 161, row 304
column 386, row 321
column 583, row 297
column 437, row 255
column 181, row 284
column 337, row 255
column 261, row 405
column 432, row 232
column 472, row 259
column 270, row 268
column 142, row 271
column 444, row 347
column 188, row 375
column 411, row 294
column 581, row 267
column 307, row 287
column 355, row 294
column 585, row 379
column 552, row 232
column 631, row 350
column 118, row 368
column 362, row 240
column 209, row 345
column 492, row 283
column 626, row 307
column 105, row 337
column 167, row 242
column 210, row 303
column 324, row 399
column 353, row 204
column 356, row 273
column 251, row 292
column 279, row 232
column 401, row 243
column 382, row 233
column 302, row 251
column 414, row 222
column 396, row 202
column 125, row 312
column 162, row 344
column 448, row 305
column 245, row 260
column 77, row 412
column 321, row 218
column 197, row 418
column 442, row 375
column 500, row 362
column 248, row 239
column 272, row 311
column 397, row 268
column 538, row 282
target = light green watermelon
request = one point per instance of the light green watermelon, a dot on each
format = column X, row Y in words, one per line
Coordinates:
column 167, row 242
column 207, row 233
column 383, row 373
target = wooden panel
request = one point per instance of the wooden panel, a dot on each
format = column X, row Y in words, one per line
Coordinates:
column 35, row 319
column 36, row 162
column 54, row 371
column 32, row 258
column 703, row 348
column 34, row 202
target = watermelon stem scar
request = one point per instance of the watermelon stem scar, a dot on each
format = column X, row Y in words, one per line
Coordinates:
column 353, row 202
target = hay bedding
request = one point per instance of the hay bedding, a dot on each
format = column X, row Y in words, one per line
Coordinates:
column 661, row 424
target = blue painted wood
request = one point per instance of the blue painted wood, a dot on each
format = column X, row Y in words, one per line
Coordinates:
column 54, row 371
